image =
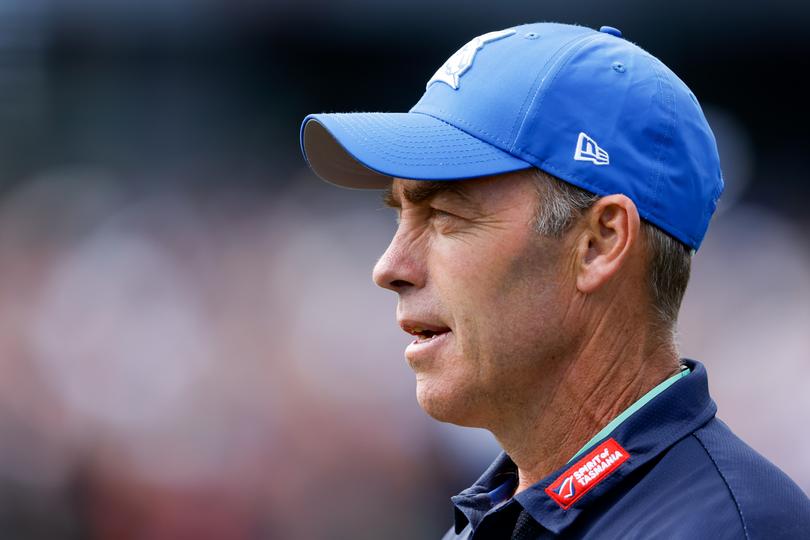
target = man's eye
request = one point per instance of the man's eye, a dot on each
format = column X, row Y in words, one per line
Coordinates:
column 440, row 214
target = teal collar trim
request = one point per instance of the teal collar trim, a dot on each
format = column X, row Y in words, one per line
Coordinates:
column 643, row 400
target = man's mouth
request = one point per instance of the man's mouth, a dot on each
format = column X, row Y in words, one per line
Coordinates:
column 426, row 335
column 430, row 338
column 424, row 332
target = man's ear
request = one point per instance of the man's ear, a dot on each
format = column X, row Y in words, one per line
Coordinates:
column 609, row 236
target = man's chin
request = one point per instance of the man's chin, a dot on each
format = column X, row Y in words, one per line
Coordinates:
column 446, row 405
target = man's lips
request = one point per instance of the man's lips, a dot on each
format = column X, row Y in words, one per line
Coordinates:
column 424, row 331
column 430, row 338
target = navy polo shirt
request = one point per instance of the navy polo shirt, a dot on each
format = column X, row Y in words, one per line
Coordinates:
column 670, row 470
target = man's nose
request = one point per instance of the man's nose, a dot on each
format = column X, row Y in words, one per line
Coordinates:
column 400, row 267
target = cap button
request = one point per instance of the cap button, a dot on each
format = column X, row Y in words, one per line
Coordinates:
column 610, row 30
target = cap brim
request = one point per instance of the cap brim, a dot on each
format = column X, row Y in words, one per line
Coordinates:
column 367, row 150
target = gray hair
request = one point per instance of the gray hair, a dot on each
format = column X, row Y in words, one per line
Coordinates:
column 669, row 260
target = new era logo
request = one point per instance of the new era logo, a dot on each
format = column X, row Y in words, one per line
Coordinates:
column 588, row 150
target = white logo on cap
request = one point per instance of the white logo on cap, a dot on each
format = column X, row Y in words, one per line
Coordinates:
column 588, row 150
column 461, row 61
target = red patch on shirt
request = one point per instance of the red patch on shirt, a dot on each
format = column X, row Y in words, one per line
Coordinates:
column 583, row 475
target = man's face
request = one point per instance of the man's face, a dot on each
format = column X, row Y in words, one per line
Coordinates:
column 484, row 294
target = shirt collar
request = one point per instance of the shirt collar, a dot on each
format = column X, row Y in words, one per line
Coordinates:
column 492, row 488
column 676, row 411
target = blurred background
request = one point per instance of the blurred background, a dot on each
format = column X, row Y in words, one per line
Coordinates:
column 190, row 342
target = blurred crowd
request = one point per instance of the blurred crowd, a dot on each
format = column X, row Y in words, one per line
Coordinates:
column 203, row 365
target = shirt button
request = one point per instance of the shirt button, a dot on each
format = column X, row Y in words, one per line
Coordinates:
column 610, row 30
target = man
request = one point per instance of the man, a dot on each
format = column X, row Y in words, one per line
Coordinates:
column 552, row 185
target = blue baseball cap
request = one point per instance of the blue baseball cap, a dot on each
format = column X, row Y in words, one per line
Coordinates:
column 585, row 106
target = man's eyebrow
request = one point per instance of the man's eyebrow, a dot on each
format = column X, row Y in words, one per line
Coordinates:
column 424, row 191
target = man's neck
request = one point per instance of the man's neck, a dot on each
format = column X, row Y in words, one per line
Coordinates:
column 597, row 386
